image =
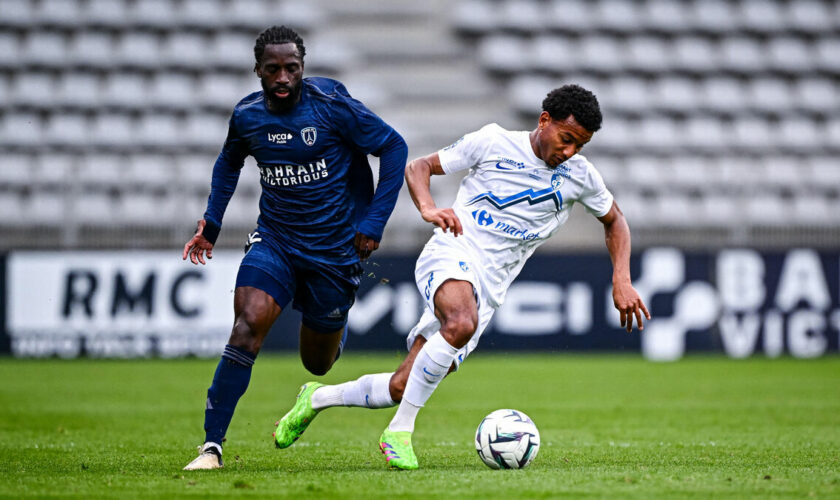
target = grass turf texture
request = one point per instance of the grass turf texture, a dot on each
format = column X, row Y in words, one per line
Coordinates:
column 610, row 426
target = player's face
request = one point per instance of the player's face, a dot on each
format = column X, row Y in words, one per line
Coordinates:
column 558, row 140
column 281, row 71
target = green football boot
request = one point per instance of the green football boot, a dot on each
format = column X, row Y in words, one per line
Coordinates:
column 396, row 446
column 293, row 423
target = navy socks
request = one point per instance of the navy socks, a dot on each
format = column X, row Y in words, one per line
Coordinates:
column 229, row 384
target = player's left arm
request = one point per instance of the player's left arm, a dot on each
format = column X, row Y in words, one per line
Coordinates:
column 625, row 298
column 369, row 134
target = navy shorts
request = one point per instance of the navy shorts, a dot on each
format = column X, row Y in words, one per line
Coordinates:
column 323, row 292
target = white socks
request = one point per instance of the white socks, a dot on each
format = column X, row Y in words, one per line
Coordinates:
column 369, row 391
column 430, row 366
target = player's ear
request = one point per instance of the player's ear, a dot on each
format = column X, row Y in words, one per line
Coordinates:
column 544, row 120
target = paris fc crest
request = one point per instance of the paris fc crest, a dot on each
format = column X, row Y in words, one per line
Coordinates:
column 309, row 134
column 557, row 180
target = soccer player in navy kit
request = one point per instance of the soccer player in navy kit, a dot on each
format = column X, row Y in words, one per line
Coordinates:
column 319, row 215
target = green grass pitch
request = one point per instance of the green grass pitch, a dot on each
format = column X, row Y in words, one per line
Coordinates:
column 611, row 426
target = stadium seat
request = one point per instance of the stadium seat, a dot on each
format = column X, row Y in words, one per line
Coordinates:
column 112, row 131
column 740, row 54
column 98, row 208
column 694, row 54
column 44, row 49
column 817, row 95
column 111, row 14
column 232, row 51
column 810, row 16
column 172, row 91
column 151, row 171
column 751, row 134
column 140, row 50
column 246, row 14
column 676, row 94
column 762, row 16
column 575, row 16
column 475, row 17
column 163, row 130
column 617, row 15
column 648, row 54
column 714, row 16
column 201, row 14
column 223, row 91
column 34, row 90
column 658, row 133
column 551, row 54
column 194, row 172
column 664, row 16
column 769, row 95
column 125, row 91
column 103, row 170
column 767, row 209
column 21, row 129
column 827, row 52
column 790, row 55
column 600, row 54
column 205, row 130
column 628, row 94
column 720, row 210
column 11, row 206
column 67, row 130
column 524, row 16
column 144, row 208
column 9, row 50
column 722, row 95
column 185, row 50
column 79, row 90
column 45, row 209
column 155, row 14
column 53, row 171
column 93, row 49
column 705, row 134
column 805, row 135
column 494, row 52
column 17, row 13
column 15, row 171
column 58, row 13
column 823, row 172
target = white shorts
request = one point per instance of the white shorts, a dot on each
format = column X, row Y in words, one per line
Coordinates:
column 439, row 262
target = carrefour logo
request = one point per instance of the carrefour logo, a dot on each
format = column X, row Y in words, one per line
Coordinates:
column 482, row 217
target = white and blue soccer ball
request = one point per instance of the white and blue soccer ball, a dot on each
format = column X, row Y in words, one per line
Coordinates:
column 507, row 439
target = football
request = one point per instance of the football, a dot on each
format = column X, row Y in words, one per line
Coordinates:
column 507, row 439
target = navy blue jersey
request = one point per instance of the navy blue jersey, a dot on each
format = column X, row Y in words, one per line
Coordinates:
column 317, row 185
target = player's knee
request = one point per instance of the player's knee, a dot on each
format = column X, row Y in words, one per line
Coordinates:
column 245, row 334
column 317, row 366
column 459, row 329
column 397, row 387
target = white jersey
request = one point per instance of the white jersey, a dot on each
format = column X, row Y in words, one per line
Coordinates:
column 510, row 202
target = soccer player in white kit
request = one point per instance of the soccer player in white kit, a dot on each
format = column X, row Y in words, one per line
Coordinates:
column 519, row 190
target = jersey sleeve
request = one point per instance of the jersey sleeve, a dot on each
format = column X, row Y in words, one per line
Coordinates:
column 466, row 152
column 595, row 196
column 369, row 134
column 225, row 177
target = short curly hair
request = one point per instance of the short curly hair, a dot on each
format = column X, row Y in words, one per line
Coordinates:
column 276, row 35
column 577, row 101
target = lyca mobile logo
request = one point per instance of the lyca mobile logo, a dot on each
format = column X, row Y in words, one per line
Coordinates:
column 280, row 137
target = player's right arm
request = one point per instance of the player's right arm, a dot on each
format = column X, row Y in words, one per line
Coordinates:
column 223, row 184
column 418, row 174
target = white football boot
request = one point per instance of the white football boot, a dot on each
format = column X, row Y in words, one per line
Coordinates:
column 209, row 457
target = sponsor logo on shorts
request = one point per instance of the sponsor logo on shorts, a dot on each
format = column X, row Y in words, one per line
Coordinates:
column 428, row 291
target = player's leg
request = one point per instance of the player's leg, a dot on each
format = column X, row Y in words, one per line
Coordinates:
column 457, row 310
column 264, row 285
column 255, row 312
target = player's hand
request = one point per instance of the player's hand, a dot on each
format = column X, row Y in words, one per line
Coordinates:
column 198, row 246
column 443, row 218
column 365, row 245
column 629, row 305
